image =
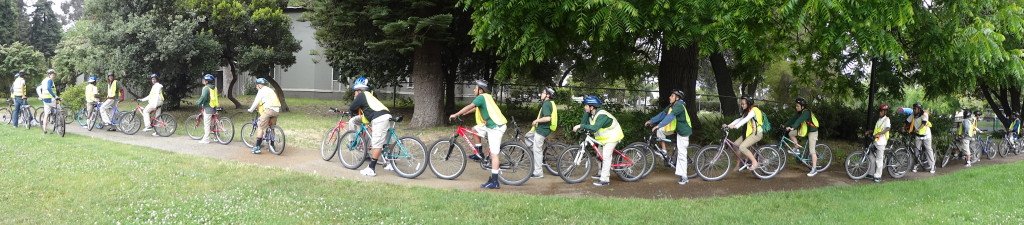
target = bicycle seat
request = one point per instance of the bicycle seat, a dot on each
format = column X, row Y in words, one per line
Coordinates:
column 219, row 109
column 396, row 119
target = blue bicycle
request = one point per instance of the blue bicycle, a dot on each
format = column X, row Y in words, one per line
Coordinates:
column 90, row 120
column 407, row 155
column 274, row 136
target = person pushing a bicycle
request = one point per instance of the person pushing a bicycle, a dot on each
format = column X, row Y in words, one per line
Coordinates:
column 92, row 97
column 47, row 95
column 546, row 122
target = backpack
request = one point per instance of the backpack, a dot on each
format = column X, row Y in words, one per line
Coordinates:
column 766, row 126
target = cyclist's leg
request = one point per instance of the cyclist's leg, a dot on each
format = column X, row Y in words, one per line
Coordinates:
column 745, row 148
column 812, row 140
column 494, row 144
column 17, row 110
column 681, row 143
column 879, row 159
column 150, row 108
column 380, row 130
column 482, row 131
column 207, row 120
column 927, row 142
column 662, row 135
column 965, row 144
column 103, row 110
column 47, row 107
column 792, row 137
column 353, row 123
column 538, row 153
column 739, row 155
column 606, row 162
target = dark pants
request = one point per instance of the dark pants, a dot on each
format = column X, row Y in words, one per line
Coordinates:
column 18, row 102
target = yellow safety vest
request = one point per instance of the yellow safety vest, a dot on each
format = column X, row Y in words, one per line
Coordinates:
column 214, row 99
column 878, row 129
column 921, row 129
column 1015, row 124
column 271, row 98
column 112, row 90
column 492, row 111
column 970, row 130
column 374, row 104
column 753, row 125
column 610, row 134
column 90, row 92
column 671, row 127
column 554, row 116
column 45, row 91
column 804, row 125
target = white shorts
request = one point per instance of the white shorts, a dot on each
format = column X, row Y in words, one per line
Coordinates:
column 493, row 136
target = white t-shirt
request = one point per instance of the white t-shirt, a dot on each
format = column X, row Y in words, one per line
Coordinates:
column 18, row 88
column 920, row 121
column 155, row 94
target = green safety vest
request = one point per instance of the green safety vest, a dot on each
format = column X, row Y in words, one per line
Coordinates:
column 214, row 100
column 752, row 124
column 878, row 129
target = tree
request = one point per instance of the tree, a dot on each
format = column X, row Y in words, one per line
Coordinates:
column 76, row 55
column 17, row 56
column 74, row 10
column 8, row 19
column 46, row 28
column 255, row 36
column 153, row 36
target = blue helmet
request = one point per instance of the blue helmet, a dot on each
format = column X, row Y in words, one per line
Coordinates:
column 91, row 80
column 361, row 84
column 153, row 75
column 209, row 77
column 51, row 71
column 261, row 80
column 591, row 100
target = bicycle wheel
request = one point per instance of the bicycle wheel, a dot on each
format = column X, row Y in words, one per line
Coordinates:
column 631, row 164
column 649, row 159
column 26, row 117
column 824, row 156
column 550, row 155
column 131, row 123
column 899, row 163
column 987, row 150
column 447, row 159
column 408, row 157
column 81, row 116
column 61, row 124
column 1003, row 147
column 516, row 164
column 225, row 130
column 572, row 170
column 248, row 134
column 712, row 163
column 68, row 117
column 91, row 121
column 975, row 152
column 194, row 127
column 329, row 144
column 858, row 164
column 165, row 125
column 770, row 162
column 277, row 139
column 5, row 116
column 691, row 154
column 353, row 150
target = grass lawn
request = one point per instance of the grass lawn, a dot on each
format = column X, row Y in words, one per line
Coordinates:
column 79, row 180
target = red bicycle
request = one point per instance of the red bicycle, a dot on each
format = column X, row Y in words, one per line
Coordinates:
column 447, row 159
column 221, row 128
column 576, row 162
column 329, row 144
column 164, row 123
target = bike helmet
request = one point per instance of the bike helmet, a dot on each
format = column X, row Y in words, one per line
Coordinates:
column 51, row 71
column 91, row 80
column 550, row 91
column 918, row 105
column 801, row 101
column 678, row 93
column 977, row 113
column 153, row 75
column 18, row 74
column 483, row 85
column 361, row 84
column 591, row 100
column 209, row 77
column 750, row 100
column 884, row 107
column 261, row 81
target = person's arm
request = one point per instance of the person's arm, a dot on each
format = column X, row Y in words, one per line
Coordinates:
column 795, row 122
column 259, row 98
column 357, row 103
column 150, row 95
column 677, row 114
column 49, row 87
column 602, row 121
column 204, row 98
column 658, row 117
column 743, row 120
column 545, row 113
column 477, row 102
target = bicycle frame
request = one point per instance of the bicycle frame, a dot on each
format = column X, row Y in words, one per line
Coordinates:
column 589, row 140
column 216, row 125
column 152, row 116
column 267, row 134
column 364, row 131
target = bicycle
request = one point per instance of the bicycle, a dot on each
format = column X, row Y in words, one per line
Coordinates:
column 408, row 161
column 27, row 116
column 954, row 150
column 575, row 163
column 447, row 159
column 56, row 118
column 6, row 115
column 985, row 145
column 1008, row 145
column 651, row 147
column 163, row 123
column 550, row 152
column 918, row 156
column 273, row 135
column 860, row 162
column 713, row 163
column 787, row 146
column 329, row 143
column 220, row 128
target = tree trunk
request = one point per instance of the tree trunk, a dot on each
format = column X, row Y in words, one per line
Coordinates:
column 678, row 70
column 449, row 92
column 987, row 92
column 280, row 94
column 427, row 77
column 723, row 78
column 690, row 72
column 231, row 86
column 876, row 65
column 1015, row 99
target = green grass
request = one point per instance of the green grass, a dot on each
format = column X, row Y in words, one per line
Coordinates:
column 81, row 180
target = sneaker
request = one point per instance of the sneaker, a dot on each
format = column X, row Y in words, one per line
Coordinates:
column 155, row 134
column 877, row 180
column 595, row 177
column 85, row 127
column 968, row 164
column 601, row 183
column 256, row 150
column 537, row 176
column 933, row 170
column 204, row 141
column 683, row 181
column 368, row 172
column 812, row 173
column 475, row 157
column 491, row 185
column 112, row 129
column 914, row 170
column 147, row 129
column 387, row 166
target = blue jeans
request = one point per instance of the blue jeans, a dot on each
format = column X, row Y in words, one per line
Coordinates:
column 18, row 102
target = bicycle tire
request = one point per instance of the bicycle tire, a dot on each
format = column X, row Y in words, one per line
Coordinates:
column 248, row 134
column 947, row 155
column 329, row 144
column 824, row 156
column 6, row 117
column 193, row 127
column 691, row 154
column 61, row 125
column 278, row 140
column 550, row 157
column 68, row 118
column 713, row 163
column 1002, row 147
column 649, row 159
column 447, row 164
column 519, row 161
column 131, row 123
column 225, row 128
column 81, row 117
column 987, row 149
column 634, row 171
column 770, row 162
column 899, row 163
column 165, row 125
column 27, row 117
column 94, row 117
column 858, row 164
column 571, row 171
column 975, row 151
column 353, row 150
column 411, row 159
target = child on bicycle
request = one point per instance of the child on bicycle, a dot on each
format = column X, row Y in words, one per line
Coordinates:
column 47, row 95
column 968, row 132
column 269, row 108
column 19, row 94
column 1014, row 127
column 113, row 95
column 674, row 119
column 546, row 122
column 155, row 99
column 881, row 134
column 371, row 111
column 209, row 101
column 92, row 97
column 808, row 126
column 919, row 125
column 490, row 123
column 606, row 130
column 754, row 132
